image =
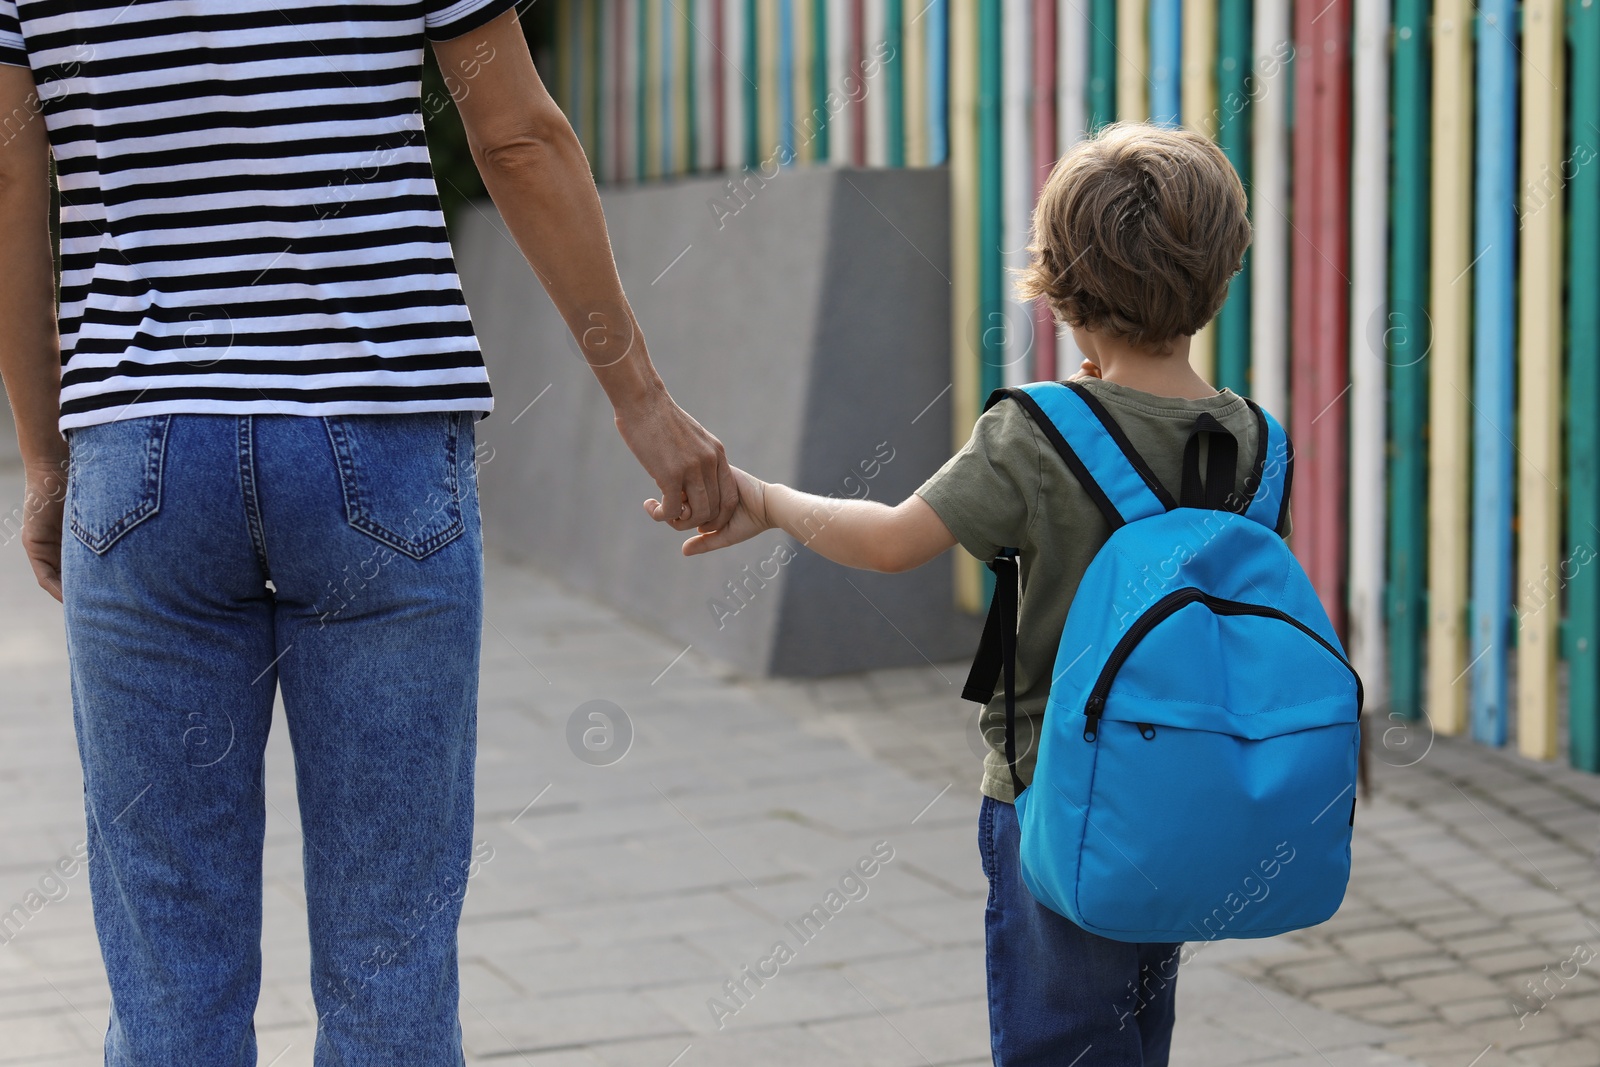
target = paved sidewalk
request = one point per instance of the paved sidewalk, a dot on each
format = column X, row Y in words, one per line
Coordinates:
column 621, row 900
column 1471, row 931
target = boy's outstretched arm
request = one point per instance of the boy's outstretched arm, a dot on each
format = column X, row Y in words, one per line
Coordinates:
column 864, row 534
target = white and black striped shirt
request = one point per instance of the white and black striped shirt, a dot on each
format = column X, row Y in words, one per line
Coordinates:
column 249, row 222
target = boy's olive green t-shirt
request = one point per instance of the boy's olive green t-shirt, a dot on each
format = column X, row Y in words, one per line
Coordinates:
column 1009, row 488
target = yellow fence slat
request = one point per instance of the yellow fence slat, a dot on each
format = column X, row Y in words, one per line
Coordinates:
column 1539, row 394
column 964, row 255
column 1133, row 60
column 1449, row 383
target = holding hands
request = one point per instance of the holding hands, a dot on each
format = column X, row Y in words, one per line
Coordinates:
column 685, row 461
column 857, row 533
column 864, row 534
column 749, row 516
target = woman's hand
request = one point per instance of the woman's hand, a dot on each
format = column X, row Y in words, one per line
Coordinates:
column 685, row 461
column 43, row 504
column 749, row 518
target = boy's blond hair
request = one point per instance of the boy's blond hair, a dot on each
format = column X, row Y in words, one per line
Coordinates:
column 1137, row 233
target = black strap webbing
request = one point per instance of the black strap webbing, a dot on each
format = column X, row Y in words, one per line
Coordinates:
column 1222, row 464
column 997, row 655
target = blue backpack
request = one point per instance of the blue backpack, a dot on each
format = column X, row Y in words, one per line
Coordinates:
column 1197, row 764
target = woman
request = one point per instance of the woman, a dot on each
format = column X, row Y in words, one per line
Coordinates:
column 268, row 380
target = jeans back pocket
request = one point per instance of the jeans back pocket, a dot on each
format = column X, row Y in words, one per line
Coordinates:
column 399, row 477
column 114, row 478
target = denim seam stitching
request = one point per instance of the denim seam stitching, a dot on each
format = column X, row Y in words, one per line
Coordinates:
column 343, row 461
column 248, row 488
column 989, row 856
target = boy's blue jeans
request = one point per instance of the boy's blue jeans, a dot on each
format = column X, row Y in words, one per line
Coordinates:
column 367, row 527
column 1059, row 995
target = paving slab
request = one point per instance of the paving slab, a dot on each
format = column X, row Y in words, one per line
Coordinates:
column 621, row 898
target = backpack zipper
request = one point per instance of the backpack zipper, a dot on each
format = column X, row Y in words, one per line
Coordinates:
column 1095, row 706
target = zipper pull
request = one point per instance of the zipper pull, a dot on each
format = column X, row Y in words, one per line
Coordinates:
column 1092, row 712
column 1146, row 731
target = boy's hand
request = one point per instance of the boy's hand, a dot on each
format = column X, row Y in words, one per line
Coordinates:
column 1086, row 369
column 749, row 519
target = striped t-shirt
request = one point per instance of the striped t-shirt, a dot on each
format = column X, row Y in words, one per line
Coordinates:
column 249, row 222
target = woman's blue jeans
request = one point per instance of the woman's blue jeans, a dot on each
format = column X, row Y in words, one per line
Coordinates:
column 210, row 561
column 1060, row 996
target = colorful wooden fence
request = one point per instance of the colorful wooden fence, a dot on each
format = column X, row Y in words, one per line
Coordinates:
column 1421, row 304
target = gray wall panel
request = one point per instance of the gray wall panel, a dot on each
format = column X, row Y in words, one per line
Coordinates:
column 806, row 330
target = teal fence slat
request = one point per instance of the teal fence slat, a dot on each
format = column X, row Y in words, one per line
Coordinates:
column 990, row 196
column 1102, row 63
column 1583, row 385
column 1233, row 136
column 819, row 119
column 752, row 75
column 692, row 91
column 894, row 80
column 1405, row 335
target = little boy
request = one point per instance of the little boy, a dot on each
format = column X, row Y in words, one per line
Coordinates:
column 1137, row 234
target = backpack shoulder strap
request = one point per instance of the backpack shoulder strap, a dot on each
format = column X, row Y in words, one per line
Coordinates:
column 1272, row 477
column 1114, row 475
column 997, row 653
column 1100, row 456
column 1095, row 449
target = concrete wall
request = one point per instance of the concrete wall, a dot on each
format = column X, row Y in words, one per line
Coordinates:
column 10, row 455
column 807, row 328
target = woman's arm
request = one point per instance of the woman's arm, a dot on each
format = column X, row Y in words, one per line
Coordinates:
column 535, row 170
column 30, row 353
column 864, row 534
